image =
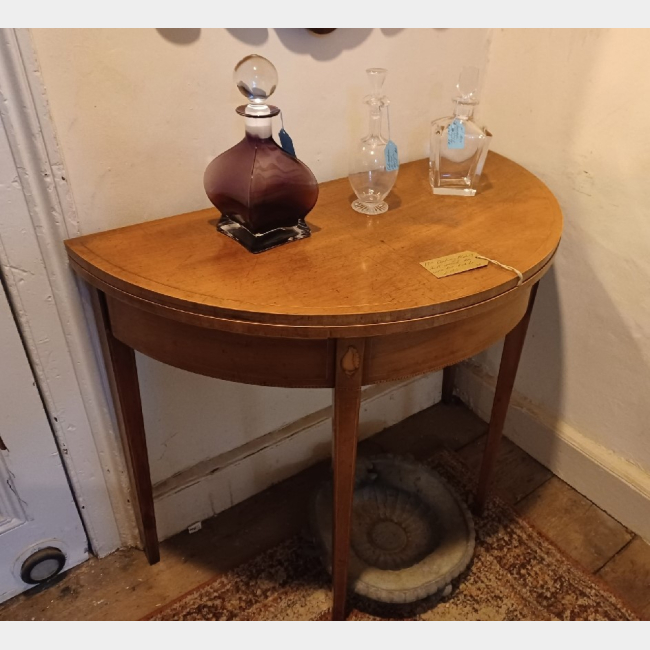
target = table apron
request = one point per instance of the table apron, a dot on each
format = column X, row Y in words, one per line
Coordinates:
column 309, row 363
column 398, row 356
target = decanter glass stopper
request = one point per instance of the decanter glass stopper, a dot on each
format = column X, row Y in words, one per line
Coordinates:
column 468, row 85
column 376, row 77
column 257, row 79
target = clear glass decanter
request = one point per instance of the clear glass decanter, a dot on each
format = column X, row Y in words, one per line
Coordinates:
column 373, row 160
column 262, row 190
column 458, row 145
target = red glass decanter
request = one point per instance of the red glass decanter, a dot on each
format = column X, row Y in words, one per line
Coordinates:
column 262, row 192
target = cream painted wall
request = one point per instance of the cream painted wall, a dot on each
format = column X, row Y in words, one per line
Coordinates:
column 571, row 106
column 138, row 117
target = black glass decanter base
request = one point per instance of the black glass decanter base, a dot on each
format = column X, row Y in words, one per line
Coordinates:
column 265, row 241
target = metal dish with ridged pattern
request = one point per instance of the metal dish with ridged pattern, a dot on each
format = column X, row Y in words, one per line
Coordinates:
column 411, row 533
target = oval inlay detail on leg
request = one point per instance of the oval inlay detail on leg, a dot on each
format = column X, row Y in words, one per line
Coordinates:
column 350, row 361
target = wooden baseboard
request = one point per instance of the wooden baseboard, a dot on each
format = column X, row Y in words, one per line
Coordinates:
column 218, row 483
column 614, row 484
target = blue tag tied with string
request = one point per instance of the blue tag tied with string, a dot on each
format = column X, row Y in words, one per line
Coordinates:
column 286, row 142
column 390, row 152
column 285, row 139
column 392, row 161
column 456, row 135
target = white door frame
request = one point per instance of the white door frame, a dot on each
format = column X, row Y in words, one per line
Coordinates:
column 52, row 310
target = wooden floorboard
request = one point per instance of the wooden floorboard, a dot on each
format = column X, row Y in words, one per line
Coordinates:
column 450, row 426
column 516, row 473
column 628, row 573
column 581, row 529
column 124, row 587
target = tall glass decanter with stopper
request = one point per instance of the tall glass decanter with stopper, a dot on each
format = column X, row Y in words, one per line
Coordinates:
column 261, row 189
column 458, row 145
column 373, row 160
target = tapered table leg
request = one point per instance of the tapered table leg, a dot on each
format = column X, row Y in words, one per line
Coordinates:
column 347, row 399
column 513, row 345
column 448, row 379
column 122, row 374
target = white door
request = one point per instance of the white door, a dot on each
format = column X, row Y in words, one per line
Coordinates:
column 40, row 529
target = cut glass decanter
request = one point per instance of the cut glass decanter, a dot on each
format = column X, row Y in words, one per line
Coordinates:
column 458, row 145
column 262, row 192
column 373, row 160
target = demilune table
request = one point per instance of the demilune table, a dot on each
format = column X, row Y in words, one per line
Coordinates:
column 347, row 307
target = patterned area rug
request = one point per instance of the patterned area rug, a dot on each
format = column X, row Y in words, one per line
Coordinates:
column 517, row 574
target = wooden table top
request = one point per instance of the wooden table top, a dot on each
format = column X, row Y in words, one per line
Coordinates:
column 353, row 270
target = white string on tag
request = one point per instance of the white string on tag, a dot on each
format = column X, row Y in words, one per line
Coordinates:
column 504, row 266
column 388, row 119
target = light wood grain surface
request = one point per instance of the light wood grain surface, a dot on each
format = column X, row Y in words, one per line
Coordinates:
column 354, row 270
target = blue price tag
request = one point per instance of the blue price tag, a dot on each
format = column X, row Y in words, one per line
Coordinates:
column 286, row 142
column 392, row 161
column 456, row 135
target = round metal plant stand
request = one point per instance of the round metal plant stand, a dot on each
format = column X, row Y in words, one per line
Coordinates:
column 411, row 533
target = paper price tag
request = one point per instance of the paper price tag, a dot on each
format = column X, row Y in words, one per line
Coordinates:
column 286, row 142
column 392, row 161
column 441, row 267
column 456, row 135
